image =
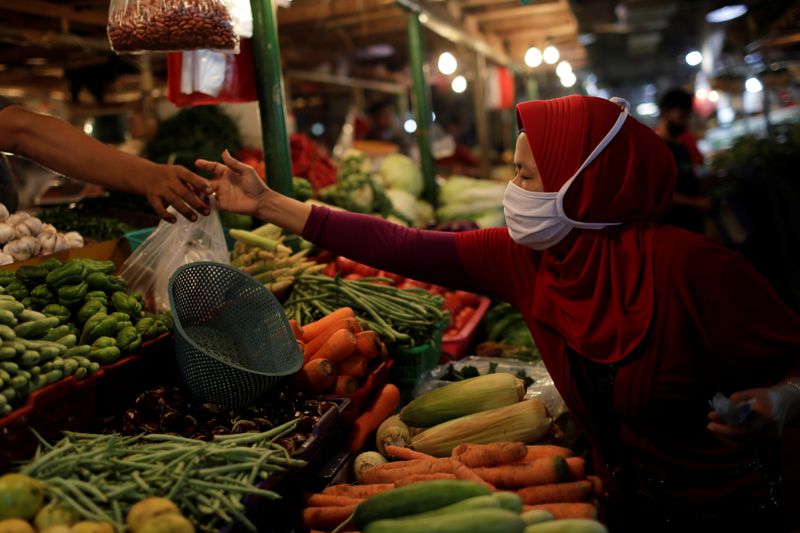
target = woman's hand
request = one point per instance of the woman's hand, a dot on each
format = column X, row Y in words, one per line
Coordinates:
column 772, row 408
column 237, row 186
column 179, row 187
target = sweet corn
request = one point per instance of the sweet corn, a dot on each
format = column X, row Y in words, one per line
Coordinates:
column 463, row 398
column 525, row 421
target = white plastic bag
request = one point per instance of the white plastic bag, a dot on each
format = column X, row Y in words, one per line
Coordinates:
column 170, row 246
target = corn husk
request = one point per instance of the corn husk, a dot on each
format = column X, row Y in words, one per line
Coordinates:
column 525, row 421
column 463, row 398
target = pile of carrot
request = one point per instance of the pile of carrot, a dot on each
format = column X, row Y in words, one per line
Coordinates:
column 544, row 476
column 337, row 353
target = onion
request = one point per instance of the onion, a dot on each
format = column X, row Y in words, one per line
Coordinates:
column 48, row 242
column 61, row 243
column 48, row 228
column 17, row 217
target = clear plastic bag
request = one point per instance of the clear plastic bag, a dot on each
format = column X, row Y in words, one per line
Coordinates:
column 136, row 26
column 170, row 246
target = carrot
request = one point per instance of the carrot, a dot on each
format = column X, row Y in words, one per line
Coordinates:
column 384, row 405
column 566, row 510
column 597, row 485
column 539, row 472
column 538, row 451
column 329, row 500
column 369, row 344
column 410, row 480
column 318, row 375
column 467, row 474
column 296, row 329
column 384, row 352
column 345, row 385
column 355, row 366
column 319, row 341
column 498, row 453
column 575, row 491
column 398, row 452
column 391, row 474
column 339, row 347
column 358, row 491
column 577, row 465
column 313, row 329
column 327, row 518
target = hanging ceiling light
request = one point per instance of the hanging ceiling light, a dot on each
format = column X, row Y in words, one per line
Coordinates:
column 533, row 57
column 726, row 13
column 459, row 84
column 551, row 55
column 447, row 63
column 563, row 69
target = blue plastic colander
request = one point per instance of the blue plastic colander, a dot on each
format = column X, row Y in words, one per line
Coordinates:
column 232, row 339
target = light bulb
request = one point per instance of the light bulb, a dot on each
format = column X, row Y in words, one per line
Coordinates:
column 410, row 125
column 533, row 57
column 713, row 96
column 551, row 55
column 569, row 79
column 447, row 63
column 459, row 84
column 753, row 85
column 694, row 58
column 563, row 68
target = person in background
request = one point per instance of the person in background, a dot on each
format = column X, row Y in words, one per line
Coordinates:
column 385, row 126
column 689, row 206
column 60, row 147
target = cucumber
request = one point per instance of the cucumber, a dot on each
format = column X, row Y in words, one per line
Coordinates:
column 82, row 350
column 568, row 525
column 80, row 373
column 30, row 358
column 476, row 502
column 94, row 367
column 3, row 400
column 509, row 501
column 49, row 352
column 35, row 328
column 18, row 382
column 10, row 304
column 7, row 352
column 54, row 375
column 9, row 393
column 36, row 370
column 56, row 333
column 9, row 366
column 68, row 341
column 5, row 409
column 478, row 521
column 38, row 382
column 415, row 499
column 17, row 345
column 536, row 516
column 7, row 318
column 70, row 366
column 4, row 375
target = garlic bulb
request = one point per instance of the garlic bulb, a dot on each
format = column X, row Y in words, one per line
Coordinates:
column 48, row 242
column 3, row 216
column 6, row 232
column 30, row 226
column 74, row 239
column 48, row 228
column 17, row 217
column 61, row 243
column 5, row 259
column 32, row 243
column 18, row 249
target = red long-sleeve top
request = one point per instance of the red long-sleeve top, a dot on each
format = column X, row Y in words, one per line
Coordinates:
column 716, row 328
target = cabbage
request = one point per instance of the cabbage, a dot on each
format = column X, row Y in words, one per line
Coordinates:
column 302, row 188
column 460, row 189
column 425, row 214
column 404, row 204
column 401, row 172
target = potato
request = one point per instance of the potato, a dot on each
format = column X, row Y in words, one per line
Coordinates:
column 147, row 509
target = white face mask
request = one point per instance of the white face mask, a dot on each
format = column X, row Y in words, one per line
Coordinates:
column 537, row 219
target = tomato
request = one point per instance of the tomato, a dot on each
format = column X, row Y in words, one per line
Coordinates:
column 463, row 317
column 364, row 270
column 330, row 270
column 397, row 279
column 468, row 298
column 346, row 266
column 437, row 290
column 413, row 284
column 353, row 276
column 452, row 302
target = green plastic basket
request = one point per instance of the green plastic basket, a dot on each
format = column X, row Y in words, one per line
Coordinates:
column 411, row 363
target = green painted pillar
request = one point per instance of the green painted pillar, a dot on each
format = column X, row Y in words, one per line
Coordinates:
column 269, row 84
column 422, row 107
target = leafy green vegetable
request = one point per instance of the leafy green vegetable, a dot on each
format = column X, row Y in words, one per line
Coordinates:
column 94, row 227
column 401, row 172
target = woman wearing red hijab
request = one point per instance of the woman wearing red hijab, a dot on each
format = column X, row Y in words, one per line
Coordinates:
column 639, row 324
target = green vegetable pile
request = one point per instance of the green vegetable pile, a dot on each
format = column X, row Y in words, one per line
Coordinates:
column 94, row 227
column 507, row 335
column 402, row 317
column 469, row 371
column 357, row 188
column 66, row 319
column 102, row 476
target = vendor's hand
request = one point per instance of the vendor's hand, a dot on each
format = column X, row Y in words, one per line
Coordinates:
column 772, row 409
column 176, row 186
column 237, row 186
column 704, row 204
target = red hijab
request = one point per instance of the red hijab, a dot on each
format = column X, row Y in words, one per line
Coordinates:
column 596, row 288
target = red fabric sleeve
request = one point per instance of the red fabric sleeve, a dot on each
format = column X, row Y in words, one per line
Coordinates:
column 499, row 266
column 428, row 256
column 750, row 327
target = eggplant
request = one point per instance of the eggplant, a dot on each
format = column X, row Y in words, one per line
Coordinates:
column 171, row 420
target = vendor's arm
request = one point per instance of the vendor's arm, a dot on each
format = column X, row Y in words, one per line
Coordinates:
column 755, row 334
column 64, row 149
column 429, row 256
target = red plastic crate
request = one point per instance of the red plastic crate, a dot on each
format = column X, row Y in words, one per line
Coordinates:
column 458, row 346
column 360, row 398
